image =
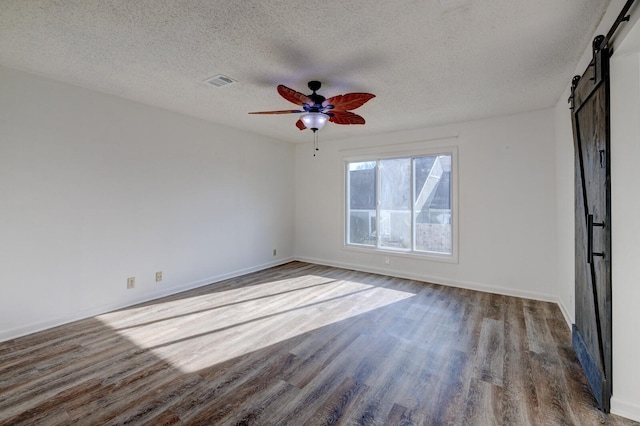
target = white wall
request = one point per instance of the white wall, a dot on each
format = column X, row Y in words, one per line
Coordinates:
column 507, row 205
column 95, row 189
column 625, row 201
column 565, row 274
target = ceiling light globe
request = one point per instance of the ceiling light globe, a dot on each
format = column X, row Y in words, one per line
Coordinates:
column 314, row 120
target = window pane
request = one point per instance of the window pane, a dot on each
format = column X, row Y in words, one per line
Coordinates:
column 362, row 203
column 402, row 204
column 395, row 203
column 432, row 195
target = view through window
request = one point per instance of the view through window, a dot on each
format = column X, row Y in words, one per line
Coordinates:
column 401, row 204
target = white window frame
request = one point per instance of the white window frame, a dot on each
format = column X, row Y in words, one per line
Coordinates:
column 409, row 253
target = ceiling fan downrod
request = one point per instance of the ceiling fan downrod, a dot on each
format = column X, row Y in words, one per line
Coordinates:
column 317, row 99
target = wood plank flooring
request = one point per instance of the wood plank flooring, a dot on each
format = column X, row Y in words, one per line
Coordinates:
column 304, row 344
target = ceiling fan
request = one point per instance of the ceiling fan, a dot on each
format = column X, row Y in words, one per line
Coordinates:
column 318, row 109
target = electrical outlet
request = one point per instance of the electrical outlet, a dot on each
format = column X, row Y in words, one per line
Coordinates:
column 131, row 282
column 275, row 252
column 387, row 261
column 158, row 276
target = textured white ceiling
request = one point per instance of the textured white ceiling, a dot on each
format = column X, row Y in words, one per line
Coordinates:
column 428, row 61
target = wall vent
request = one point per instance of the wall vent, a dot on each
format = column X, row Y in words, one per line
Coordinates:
column 220, row 80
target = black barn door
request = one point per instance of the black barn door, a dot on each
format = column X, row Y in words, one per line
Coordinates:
column 592, row 329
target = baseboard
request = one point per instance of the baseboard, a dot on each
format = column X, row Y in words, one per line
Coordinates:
column 436, row 280
column 630, row 410
column 101, row 309
column 147, row 297
column 565, row 313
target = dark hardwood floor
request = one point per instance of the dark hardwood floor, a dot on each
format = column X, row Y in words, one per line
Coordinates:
column 304, row 344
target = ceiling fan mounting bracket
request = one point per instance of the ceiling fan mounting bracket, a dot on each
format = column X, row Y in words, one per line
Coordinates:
column 314, row 85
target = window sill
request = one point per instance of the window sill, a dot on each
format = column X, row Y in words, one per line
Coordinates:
column 432, row 257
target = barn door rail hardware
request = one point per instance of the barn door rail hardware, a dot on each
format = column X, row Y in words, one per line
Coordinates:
column 622, row 17
column 599, row 43
column 574, row 84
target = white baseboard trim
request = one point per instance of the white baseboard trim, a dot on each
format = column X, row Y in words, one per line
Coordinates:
column 565, row 314
column 436, row 280
column 93, row 311
column 630, row 410
column 102, row 309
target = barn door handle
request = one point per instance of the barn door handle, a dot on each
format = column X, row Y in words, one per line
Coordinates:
column 590, row 225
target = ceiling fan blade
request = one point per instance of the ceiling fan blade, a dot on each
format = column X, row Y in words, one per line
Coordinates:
column 293, row 96
column 348, row 101
column 300, row 125
column 345, row 117
column 286, row 111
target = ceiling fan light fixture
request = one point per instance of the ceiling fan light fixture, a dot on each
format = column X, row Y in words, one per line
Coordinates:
column 314, row 120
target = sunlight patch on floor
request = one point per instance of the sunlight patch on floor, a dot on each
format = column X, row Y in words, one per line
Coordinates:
column 227, row 324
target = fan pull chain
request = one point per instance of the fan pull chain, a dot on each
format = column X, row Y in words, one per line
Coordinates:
column 315, row 141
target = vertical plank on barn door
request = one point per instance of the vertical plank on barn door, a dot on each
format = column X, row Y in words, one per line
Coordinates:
column 592, row 329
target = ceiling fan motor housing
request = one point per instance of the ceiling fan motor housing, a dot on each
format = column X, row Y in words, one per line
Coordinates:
column 317, row 99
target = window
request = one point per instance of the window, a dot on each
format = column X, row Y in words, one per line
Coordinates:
column 402, row 204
